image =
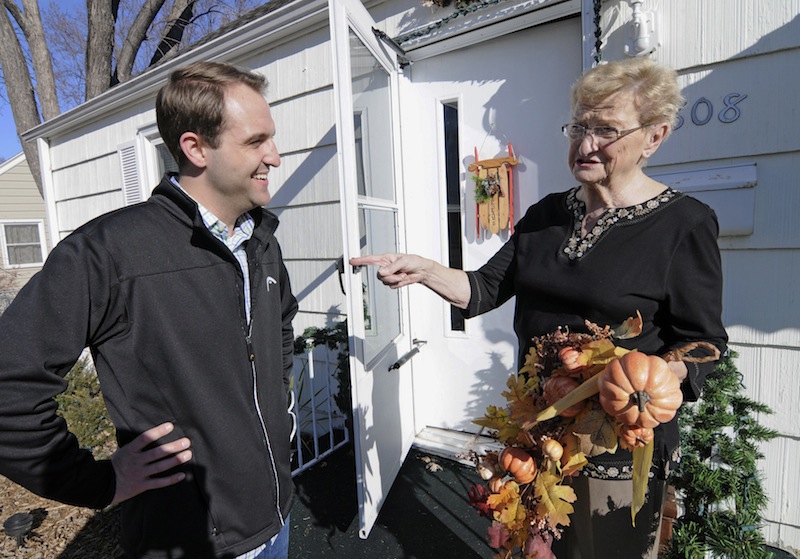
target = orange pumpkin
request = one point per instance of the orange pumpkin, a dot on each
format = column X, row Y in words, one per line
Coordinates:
column 640, row 389
column 556, row 388
column 518, row 463
column 632, row 436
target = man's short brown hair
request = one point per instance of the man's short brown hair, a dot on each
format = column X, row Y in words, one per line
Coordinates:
column 193, row 100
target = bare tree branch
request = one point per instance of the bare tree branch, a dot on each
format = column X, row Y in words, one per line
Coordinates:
column 99, row 46
column 29, row 21
column 66, row 40
column 19, row 88
column 16, row 11
column 174, row 33
column 40, row 56
column 135, row 37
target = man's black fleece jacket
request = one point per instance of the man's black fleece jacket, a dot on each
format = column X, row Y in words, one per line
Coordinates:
column 159, row 301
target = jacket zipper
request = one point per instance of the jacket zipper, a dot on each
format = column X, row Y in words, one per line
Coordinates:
column 252, row 357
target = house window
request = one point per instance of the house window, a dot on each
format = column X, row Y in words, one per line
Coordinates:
column 164, row 160
column 23, row 244
column 156, row 159
column 455, row 237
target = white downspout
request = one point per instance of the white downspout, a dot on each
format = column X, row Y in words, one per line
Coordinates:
column 48, row 193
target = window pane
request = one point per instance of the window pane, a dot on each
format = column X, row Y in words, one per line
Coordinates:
column 166, row 163
column 23, row 244
column 27, row 233
column 22, row 254
column 372, row 110
column 453, row 179
column 378, row 228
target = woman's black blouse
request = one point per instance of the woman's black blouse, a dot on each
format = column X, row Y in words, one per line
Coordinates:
column 659, row 258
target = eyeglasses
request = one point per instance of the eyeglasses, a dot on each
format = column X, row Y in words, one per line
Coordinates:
column 603, row 134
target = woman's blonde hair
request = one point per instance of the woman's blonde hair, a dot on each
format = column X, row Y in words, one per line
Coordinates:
column 654, row 88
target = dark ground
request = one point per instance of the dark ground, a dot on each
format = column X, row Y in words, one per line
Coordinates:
column 426, row 515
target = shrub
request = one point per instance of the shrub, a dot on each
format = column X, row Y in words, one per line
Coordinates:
column 83, row 408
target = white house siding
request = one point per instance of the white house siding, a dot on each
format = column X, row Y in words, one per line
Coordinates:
column 86, row 172
column 305, row 188
column 745, row 47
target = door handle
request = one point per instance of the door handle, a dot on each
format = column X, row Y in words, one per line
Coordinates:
column 340, row 269
column 405, row 357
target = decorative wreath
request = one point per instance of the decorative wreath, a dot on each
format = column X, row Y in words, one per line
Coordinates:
column 577, row 396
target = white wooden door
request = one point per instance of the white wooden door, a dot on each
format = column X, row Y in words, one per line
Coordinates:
column 510, row 89
column 365, row 86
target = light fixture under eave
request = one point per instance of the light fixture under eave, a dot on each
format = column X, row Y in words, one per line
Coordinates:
column 643, row 38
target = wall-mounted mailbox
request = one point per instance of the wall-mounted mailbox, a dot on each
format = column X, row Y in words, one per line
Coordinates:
column 731, row 191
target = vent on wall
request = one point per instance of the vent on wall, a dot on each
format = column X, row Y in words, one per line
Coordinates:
column 131, row 191
column 730, row 191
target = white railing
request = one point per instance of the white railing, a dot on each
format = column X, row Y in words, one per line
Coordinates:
column 320, row 424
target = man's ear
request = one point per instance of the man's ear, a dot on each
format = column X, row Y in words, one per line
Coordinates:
column 193, row 149
column 657, row 133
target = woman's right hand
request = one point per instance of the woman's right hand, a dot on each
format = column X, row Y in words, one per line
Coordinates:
column 394, row 269
column 398, row 270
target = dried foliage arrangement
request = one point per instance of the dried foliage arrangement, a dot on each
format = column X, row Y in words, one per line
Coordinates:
column 578, row 395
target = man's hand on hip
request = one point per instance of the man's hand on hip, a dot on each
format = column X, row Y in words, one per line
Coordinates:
column 135, row 464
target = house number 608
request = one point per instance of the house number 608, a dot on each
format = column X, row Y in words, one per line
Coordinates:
column 703, row 110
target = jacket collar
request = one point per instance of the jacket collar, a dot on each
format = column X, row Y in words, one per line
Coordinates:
column 266, row 221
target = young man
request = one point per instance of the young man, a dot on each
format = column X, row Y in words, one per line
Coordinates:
column 186, row 306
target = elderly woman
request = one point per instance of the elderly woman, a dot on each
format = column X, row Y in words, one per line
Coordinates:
column 616, row 243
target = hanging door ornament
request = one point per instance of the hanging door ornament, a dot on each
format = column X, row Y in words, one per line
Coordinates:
column 494, row 193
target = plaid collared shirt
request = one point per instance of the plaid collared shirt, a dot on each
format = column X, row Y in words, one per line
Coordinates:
column 242, row 231
column 236, row 242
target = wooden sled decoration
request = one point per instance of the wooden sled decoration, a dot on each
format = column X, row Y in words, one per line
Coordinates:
column 494, row 193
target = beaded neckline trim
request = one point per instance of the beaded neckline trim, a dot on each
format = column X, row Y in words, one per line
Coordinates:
column 575, row 247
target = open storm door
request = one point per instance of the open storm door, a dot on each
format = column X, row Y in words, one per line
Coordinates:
column 365, row 79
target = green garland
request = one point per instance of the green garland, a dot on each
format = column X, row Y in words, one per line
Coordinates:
column 718, row 476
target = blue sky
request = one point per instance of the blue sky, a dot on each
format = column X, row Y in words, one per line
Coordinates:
column 9, row 143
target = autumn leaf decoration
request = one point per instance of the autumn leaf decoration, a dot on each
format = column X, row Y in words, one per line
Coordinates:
column 554, row 417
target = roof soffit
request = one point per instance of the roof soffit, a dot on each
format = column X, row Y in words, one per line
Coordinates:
column 439, row 31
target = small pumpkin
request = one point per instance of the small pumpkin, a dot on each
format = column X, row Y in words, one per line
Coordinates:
column 556, row 388
column 640, row 389
column 518, row 463
column 552, row 449
column 632, row 436
column 487, row 467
